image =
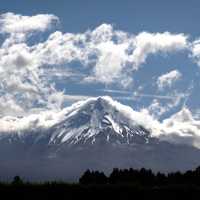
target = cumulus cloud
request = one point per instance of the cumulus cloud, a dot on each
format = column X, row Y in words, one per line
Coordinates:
column 181, row 128
column 166, row 80
column 150, row 43
column 19, row 26
column 111, row 54
column 21, row 76
column 15, row 23
column 130, row 51
column 95, row 49
column 42, row 120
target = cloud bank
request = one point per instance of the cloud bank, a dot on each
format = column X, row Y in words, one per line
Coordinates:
column 30, row 66
column 180, row 128
column 109, row 56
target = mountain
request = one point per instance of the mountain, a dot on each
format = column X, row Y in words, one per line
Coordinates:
column 99, row 119
column 98, row 133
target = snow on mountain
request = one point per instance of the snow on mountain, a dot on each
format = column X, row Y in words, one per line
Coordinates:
column 84, row 119
column 102, row 117
column 99, row 115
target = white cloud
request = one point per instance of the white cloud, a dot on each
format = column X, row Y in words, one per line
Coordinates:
column 8, row 106
column 150, row 43
column 21, row 76
column 195, row 49
column 95, row 49
column 15, row 23
column 130, row 51
column 181, row 128
column 166, row 80
column 74, row 98
column 19, row 27
column 157, row 108
column 109, row 53
column 110, row 62
column 37, row 121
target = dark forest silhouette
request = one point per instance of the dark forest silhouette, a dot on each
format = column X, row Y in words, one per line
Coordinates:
column 144, row 177
column 120, row 184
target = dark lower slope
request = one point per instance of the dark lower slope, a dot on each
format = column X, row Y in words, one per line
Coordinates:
column 68, row 162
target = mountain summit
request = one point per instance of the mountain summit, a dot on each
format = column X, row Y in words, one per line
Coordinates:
column 100, row 119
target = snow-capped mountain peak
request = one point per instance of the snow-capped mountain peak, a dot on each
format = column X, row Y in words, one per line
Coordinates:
column 85, row 122
column 99, row 118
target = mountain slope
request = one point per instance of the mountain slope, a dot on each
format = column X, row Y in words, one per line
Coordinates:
column 98, row 133
column 98, row 119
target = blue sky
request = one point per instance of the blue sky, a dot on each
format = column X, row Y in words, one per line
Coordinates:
column 161, row 79
column 128, row 15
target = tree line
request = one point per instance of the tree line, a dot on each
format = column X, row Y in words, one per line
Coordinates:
column 119, row 184
column 144, row 177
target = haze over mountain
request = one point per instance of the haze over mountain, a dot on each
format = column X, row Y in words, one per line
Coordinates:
column 98, row 133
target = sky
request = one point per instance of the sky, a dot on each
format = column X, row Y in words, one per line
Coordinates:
column 145, row 54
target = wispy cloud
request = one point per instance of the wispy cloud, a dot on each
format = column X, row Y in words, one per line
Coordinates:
column 136, row 94
column 166, row 80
